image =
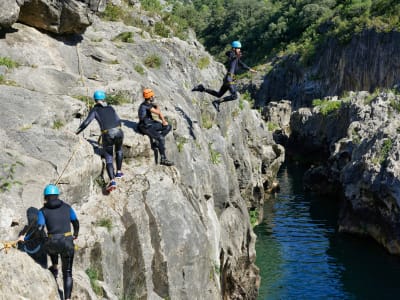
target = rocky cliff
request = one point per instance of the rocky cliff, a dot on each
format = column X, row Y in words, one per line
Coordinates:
column 368, row 61
column 361, row 141
column 179, row 232
column 57, row 16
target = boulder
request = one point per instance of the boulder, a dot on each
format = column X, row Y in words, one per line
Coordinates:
column 60, row 17
column 9, row 12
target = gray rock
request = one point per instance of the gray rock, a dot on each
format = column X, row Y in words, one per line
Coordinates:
column 179, row 232
column 59, row 17
column 368, row 61
column 9, row 12
column 361, row 140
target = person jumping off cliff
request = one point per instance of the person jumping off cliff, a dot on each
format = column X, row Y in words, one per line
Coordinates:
column 233, row 64
column 154, row 129
column 112, row 135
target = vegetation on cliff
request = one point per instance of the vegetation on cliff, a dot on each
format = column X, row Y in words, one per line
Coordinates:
column 270, row 27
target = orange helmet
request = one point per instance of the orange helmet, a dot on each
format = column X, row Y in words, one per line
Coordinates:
column 148, row 93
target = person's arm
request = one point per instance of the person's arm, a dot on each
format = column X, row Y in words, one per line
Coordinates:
column 41, row 221
column 23, row 232
column 86, row 122
column 75, row 222
column 244, row 66
column 156, row 110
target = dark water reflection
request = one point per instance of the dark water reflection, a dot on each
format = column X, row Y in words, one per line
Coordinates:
column 302, row 256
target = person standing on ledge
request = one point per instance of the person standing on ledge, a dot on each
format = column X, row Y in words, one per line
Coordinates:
column 111, row 135
column 57, row 216
column 233, row 65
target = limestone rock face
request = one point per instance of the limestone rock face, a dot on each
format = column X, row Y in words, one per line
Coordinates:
column 369, row 60
column 61, row 17
column 363, row 162
column 22, row 278
column 9, row 12
column 179, row 232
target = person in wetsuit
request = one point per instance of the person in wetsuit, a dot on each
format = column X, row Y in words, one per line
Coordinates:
column 57, row 217
column 234, row 63
column 31, row 240
column 112, row 135
column 154, row 129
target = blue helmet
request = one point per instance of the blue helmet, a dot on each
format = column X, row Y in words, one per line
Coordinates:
column 99, row 95
column 236, row 44
column 51, row 189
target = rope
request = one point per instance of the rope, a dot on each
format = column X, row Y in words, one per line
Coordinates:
column 7, row 245
column 68, row 162
column 80, row 69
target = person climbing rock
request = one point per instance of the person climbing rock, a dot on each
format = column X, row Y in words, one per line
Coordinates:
column 233, row 65
column 57, row 216
column 154, row 129
column 31, row 239
column 112, row 135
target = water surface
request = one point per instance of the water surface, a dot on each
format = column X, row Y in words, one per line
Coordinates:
column 302, row 256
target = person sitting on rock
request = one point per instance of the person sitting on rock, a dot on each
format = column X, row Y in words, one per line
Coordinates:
column 112, row 135
column 233, row 64
column 57, row 216
column 154, row 129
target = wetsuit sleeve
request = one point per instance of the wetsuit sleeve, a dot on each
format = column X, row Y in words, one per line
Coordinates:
column 41, row 222
column 24, row 230
column 243, row 65
column 86, row 122
column 74, row 221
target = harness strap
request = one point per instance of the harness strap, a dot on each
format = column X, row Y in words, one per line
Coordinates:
column 60, row 234
column 106, row 130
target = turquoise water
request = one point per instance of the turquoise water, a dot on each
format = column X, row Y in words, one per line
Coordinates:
column 302, row 256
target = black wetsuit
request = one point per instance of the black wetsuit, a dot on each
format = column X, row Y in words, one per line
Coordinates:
column 112, row 134
column 233, row 65
column 57, row 216
column 34, row 239
column 154, row 129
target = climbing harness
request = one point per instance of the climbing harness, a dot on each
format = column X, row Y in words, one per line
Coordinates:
column 60, row 234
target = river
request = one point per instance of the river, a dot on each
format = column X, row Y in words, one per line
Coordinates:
column 301, row 255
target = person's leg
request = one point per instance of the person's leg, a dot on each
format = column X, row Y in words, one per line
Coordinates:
column 119, row 153
column 221, row 91
column 67, row 262
column 233, row 94
column 108, row 151
column 165, row 130
column 67, row 259
column 54, row 265
column 155, row 132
